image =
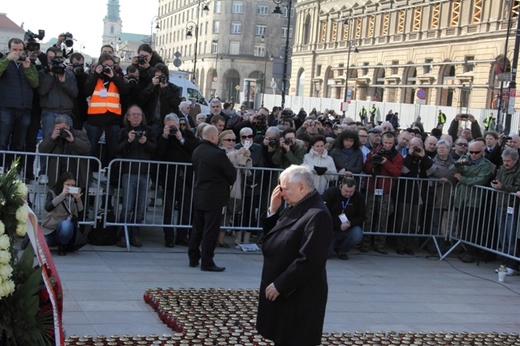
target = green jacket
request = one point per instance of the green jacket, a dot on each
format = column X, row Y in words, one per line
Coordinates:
column 510, row 180
column 477, row 174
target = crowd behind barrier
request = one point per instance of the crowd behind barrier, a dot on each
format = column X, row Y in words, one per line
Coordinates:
column 418, row 209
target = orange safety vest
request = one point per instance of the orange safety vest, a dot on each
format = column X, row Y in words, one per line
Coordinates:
column 101, row 105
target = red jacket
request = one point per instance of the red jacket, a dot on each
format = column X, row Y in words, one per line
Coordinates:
column 391, row 168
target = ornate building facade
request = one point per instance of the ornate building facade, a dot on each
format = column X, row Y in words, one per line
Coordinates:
column 442, row 52
column 228, row 45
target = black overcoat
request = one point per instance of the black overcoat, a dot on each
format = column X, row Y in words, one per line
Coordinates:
column 295, row 249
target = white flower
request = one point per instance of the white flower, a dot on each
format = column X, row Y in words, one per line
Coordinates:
column 5, row 272
column 22, row 214
column 5, row 242
column 5, row 257
column 2, row 228
column 6, row 288
column 21, row 229
column 21, row 189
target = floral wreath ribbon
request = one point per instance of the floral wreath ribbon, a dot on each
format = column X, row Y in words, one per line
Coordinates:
column 49, row 273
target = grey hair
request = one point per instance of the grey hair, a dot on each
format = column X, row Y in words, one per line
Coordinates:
column 297, row 174
column 171, row 116
column 511, row 153
column 63, row 119
column 274, row 130
column 443, row 142
column 246, row 130
column 215, row 101
column 184, row 104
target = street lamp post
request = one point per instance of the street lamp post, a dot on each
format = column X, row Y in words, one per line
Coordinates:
column 278, row 10
column 350, row 44
column 193, row 28
column 155, row 19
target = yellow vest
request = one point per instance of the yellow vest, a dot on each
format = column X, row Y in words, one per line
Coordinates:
column 101, row 105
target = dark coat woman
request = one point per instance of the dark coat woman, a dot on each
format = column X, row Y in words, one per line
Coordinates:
column 346, row 153
column 293, row 289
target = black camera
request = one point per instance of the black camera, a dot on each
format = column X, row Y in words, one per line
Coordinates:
column 377, row 159
column 132, row 81
column 63, row 133
column 416, row 149
column 69, row 41
column 273, row 143
column 107, row 69
column 287, row 114
column 163, row 79
column 173, row 130
column 462, row 162
column 58, row 66
column 78, row 68
column 287, row 141
column 138, row 134
column 141, row 59
column 30, row 37
column 22, row 57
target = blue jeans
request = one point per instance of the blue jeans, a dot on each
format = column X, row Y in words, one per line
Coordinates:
column 135, row 193
column 62, row 235
column 506, row 231
column 13, row 128
column 342, row 241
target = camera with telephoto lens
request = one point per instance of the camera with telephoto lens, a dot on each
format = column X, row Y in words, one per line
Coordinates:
column 107, row 69
column 163, row 79
column 78, row 68
column 287, row 141
column 138, row 134
column 287, row 114
column 173, row 130
column 273, row 143
column 378, row 157
column 141, row 59
column 63, row 133
column 69, row 41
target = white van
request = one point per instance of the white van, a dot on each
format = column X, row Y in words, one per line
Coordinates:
column 189, row 90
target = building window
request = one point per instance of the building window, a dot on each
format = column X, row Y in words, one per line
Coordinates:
column 394, row 70
column 237, row 7
column 477, row 12
column 334, row 32
column 417, row 14
column 323, row 31
column 285, row 11
column 401, row 17
column 455, row 13
column 260, row 30
column 284, row 32
column 428, row 67
column 386, row 24
column 234, row 47
column 262, row 9
column 259, row 50
column 236, row 27
column 216, row 26
column 436, row 13
column 468, row 63
column 318, row 70
column 218, row 6
column 214, row 47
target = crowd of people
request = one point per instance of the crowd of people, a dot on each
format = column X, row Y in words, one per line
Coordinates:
column 143, row 118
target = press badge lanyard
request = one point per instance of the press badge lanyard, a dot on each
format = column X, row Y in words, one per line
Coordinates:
column 344, row 204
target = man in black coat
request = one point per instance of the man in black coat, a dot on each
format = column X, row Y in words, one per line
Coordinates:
column 214, row 174
column 176, row 145
column 293, row 288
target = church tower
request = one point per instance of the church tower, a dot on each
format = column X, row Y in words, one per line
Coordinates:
column 112, row 24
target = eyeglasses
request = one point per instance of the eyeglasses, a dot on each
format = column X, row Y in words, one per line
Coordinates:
column 462, row 144
column 229, row 139
column 475, row 152
column 246, row 136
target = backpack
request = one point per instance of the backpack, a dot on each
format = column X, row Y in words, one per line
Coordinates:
column 100, row 235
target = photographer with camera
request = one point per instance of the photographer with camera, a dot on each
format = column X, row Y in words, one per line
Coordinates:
column 384, row 164
column 455, row 131
column 257, row 122
column 134, row 143
column 77, row 67
column 65, row 140
column 105, row 111
column 159, row 98
column 18, row 77
column 290, row 151
column 176, row 144
column 146, row 61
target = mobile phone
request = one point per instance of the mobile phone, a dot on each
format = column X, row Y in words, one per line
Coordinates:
column 73, row 190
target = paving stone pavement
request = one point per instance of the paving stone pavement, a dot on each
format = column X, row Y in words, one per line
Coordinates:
column 104, row 287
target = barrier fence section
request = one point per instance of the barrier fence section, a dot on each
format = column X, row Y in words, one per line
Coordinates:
column 486, row 219
column 159, row 194
column 84, row 168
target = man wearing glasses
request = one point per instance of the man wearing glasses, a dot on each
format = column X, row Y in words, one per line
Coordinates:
column 470, row 170
column 460, row 148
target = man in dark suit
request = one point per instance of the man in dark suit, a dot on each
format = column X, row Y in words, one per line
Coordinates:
column 214, row 174
column 293, row 288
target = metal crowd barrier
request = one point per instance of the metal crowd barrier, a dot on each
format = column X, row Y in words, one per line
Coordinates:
column 84, row 168
column 404, row 207
column 486, row 219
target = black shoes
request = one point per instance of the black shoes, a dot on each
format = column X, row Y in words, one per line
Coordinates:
column 342, row 255
column 194, row 264
column 169, row 243
column 381, row 249
column 61, row 250
column 213, row 268
column 402, row 251
column 135, row 241
column 182, row 242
